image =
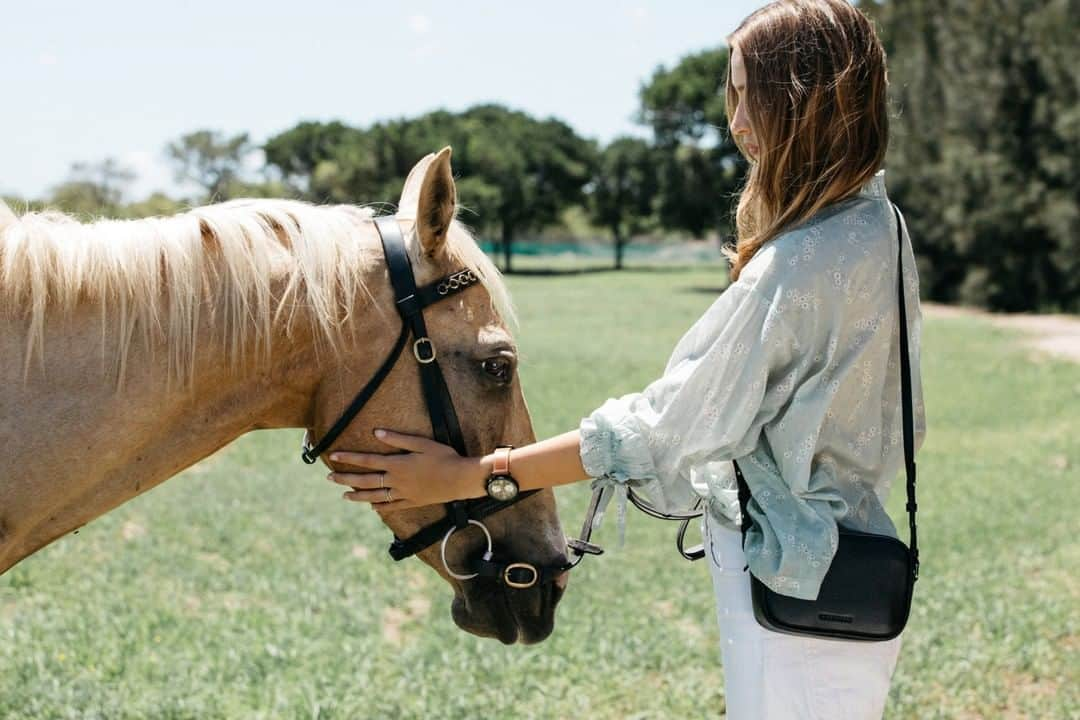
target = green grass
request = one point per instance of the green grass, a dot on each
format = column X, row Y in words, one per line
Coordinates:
column 246, row 588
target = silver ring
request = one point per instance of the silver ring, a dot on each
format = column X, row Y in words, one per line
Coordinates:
column 442, row 550
column 382, row 480
column 388, row 497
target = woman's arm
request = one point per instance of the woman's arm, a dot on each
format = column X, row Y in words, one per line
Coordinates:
column 551, row 462
column 403, row 480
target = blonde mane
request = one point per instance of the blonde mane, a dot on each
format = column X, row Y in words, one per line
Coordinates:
column 160, row 277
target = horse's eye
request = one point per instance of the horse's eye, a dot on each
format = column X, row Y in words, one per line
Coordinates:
column 499, row 368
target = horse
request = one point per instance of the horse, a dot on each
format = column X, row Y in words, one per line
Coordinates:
column 131, row 349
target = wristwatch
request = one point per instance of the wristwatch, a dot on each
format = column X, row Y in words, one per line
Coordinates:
column 501, row 485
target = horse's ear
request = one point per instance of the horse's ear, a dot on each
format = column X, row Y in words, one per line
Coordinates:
column 410, row 193
column 437, row 203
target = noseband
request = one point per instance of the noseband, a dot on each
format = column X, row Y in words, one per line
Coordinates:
column 410, row 302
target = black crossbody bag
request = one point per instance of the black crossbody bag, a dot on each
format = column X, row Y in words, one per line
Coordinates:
column 866, row 593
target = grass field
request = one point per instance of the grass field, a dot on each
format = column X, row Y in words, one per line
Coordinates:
column 246, row 589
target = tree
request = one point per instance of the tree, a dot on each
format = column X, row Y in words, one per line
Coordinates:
column 625, row 190
column 299, row 152
column 536, row 167
column 700, row 167
column 984, row 149
column 210, row 160
column 157, row 203
column 516, row 172
column 686, row 103
column 93, row 188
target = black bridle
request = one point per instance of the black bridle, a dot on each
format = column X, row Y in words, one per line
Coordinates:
column 410, row 302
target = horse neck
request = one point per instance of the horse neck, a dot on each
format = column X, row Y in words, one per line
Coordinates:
column 76, row 447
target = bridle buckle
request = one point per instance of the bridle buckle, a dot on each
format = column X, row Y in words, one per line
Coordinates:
column 416, row 350
column 511, row 582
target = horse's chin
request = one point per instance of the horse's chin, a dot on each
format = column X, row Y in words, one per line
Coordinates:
column 484, row 624
column 510, row 615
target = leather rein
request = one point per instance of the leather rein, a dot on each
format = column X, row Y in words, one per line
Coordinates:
column 460, row 514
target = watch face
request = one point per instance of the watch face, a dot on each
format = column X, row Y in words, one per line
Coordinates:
column 502, row 488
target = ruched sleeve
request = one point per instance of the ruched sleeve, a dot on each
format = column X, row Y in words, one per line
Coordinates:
column 727, row 377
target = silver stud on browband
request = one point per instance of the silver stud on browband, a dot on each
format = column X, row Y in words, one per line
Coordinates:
column 463, row 279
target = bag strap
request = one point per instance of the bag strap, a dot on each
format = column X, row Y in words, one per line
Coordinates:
column 905, row 397
column 908, row 422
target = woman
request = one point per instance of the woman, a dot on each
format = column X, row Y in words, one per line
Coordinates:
column 793, row 371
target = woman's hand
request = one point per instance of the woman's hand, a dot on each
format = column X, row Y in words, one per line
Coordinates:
column 429, row 473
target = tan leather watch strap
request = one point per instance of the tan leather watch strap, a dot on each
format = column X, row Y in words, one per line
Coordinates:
column 501, row 461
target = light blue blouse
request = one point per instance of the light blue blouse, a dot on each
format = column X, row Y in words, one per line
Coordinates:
column 793, row 371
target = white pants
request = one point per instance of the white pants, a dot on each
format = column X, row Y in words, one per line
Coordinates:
column 773, row 676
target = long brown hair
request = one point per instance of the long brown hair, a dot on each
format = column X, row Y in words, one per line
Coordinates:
column 816, row 94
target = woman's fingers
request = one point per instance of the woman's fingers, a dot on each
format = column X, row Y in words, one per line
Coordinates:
column 377, row 496
column 359, row 481
column 403, row 472
column 369, row 461
column 371, row 488
column 379, row 503
column 405, row 441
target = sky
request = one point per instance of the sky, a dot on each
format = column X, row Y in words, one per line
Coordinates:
column 82, row 81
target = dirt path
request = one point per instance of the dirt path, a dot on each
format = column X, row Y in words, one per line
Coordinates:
column 1056, row 334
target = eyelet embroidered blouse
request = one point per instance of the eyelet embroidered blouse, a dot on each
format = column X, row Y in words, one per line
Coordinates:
column 794, row 372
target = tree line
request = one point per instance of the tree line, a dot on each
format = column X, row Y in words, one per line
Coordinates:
column 516, row 172
column 985, row 133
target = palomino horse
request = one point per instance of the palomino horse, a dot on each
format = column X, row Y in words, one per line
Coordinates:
column 130, row 350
